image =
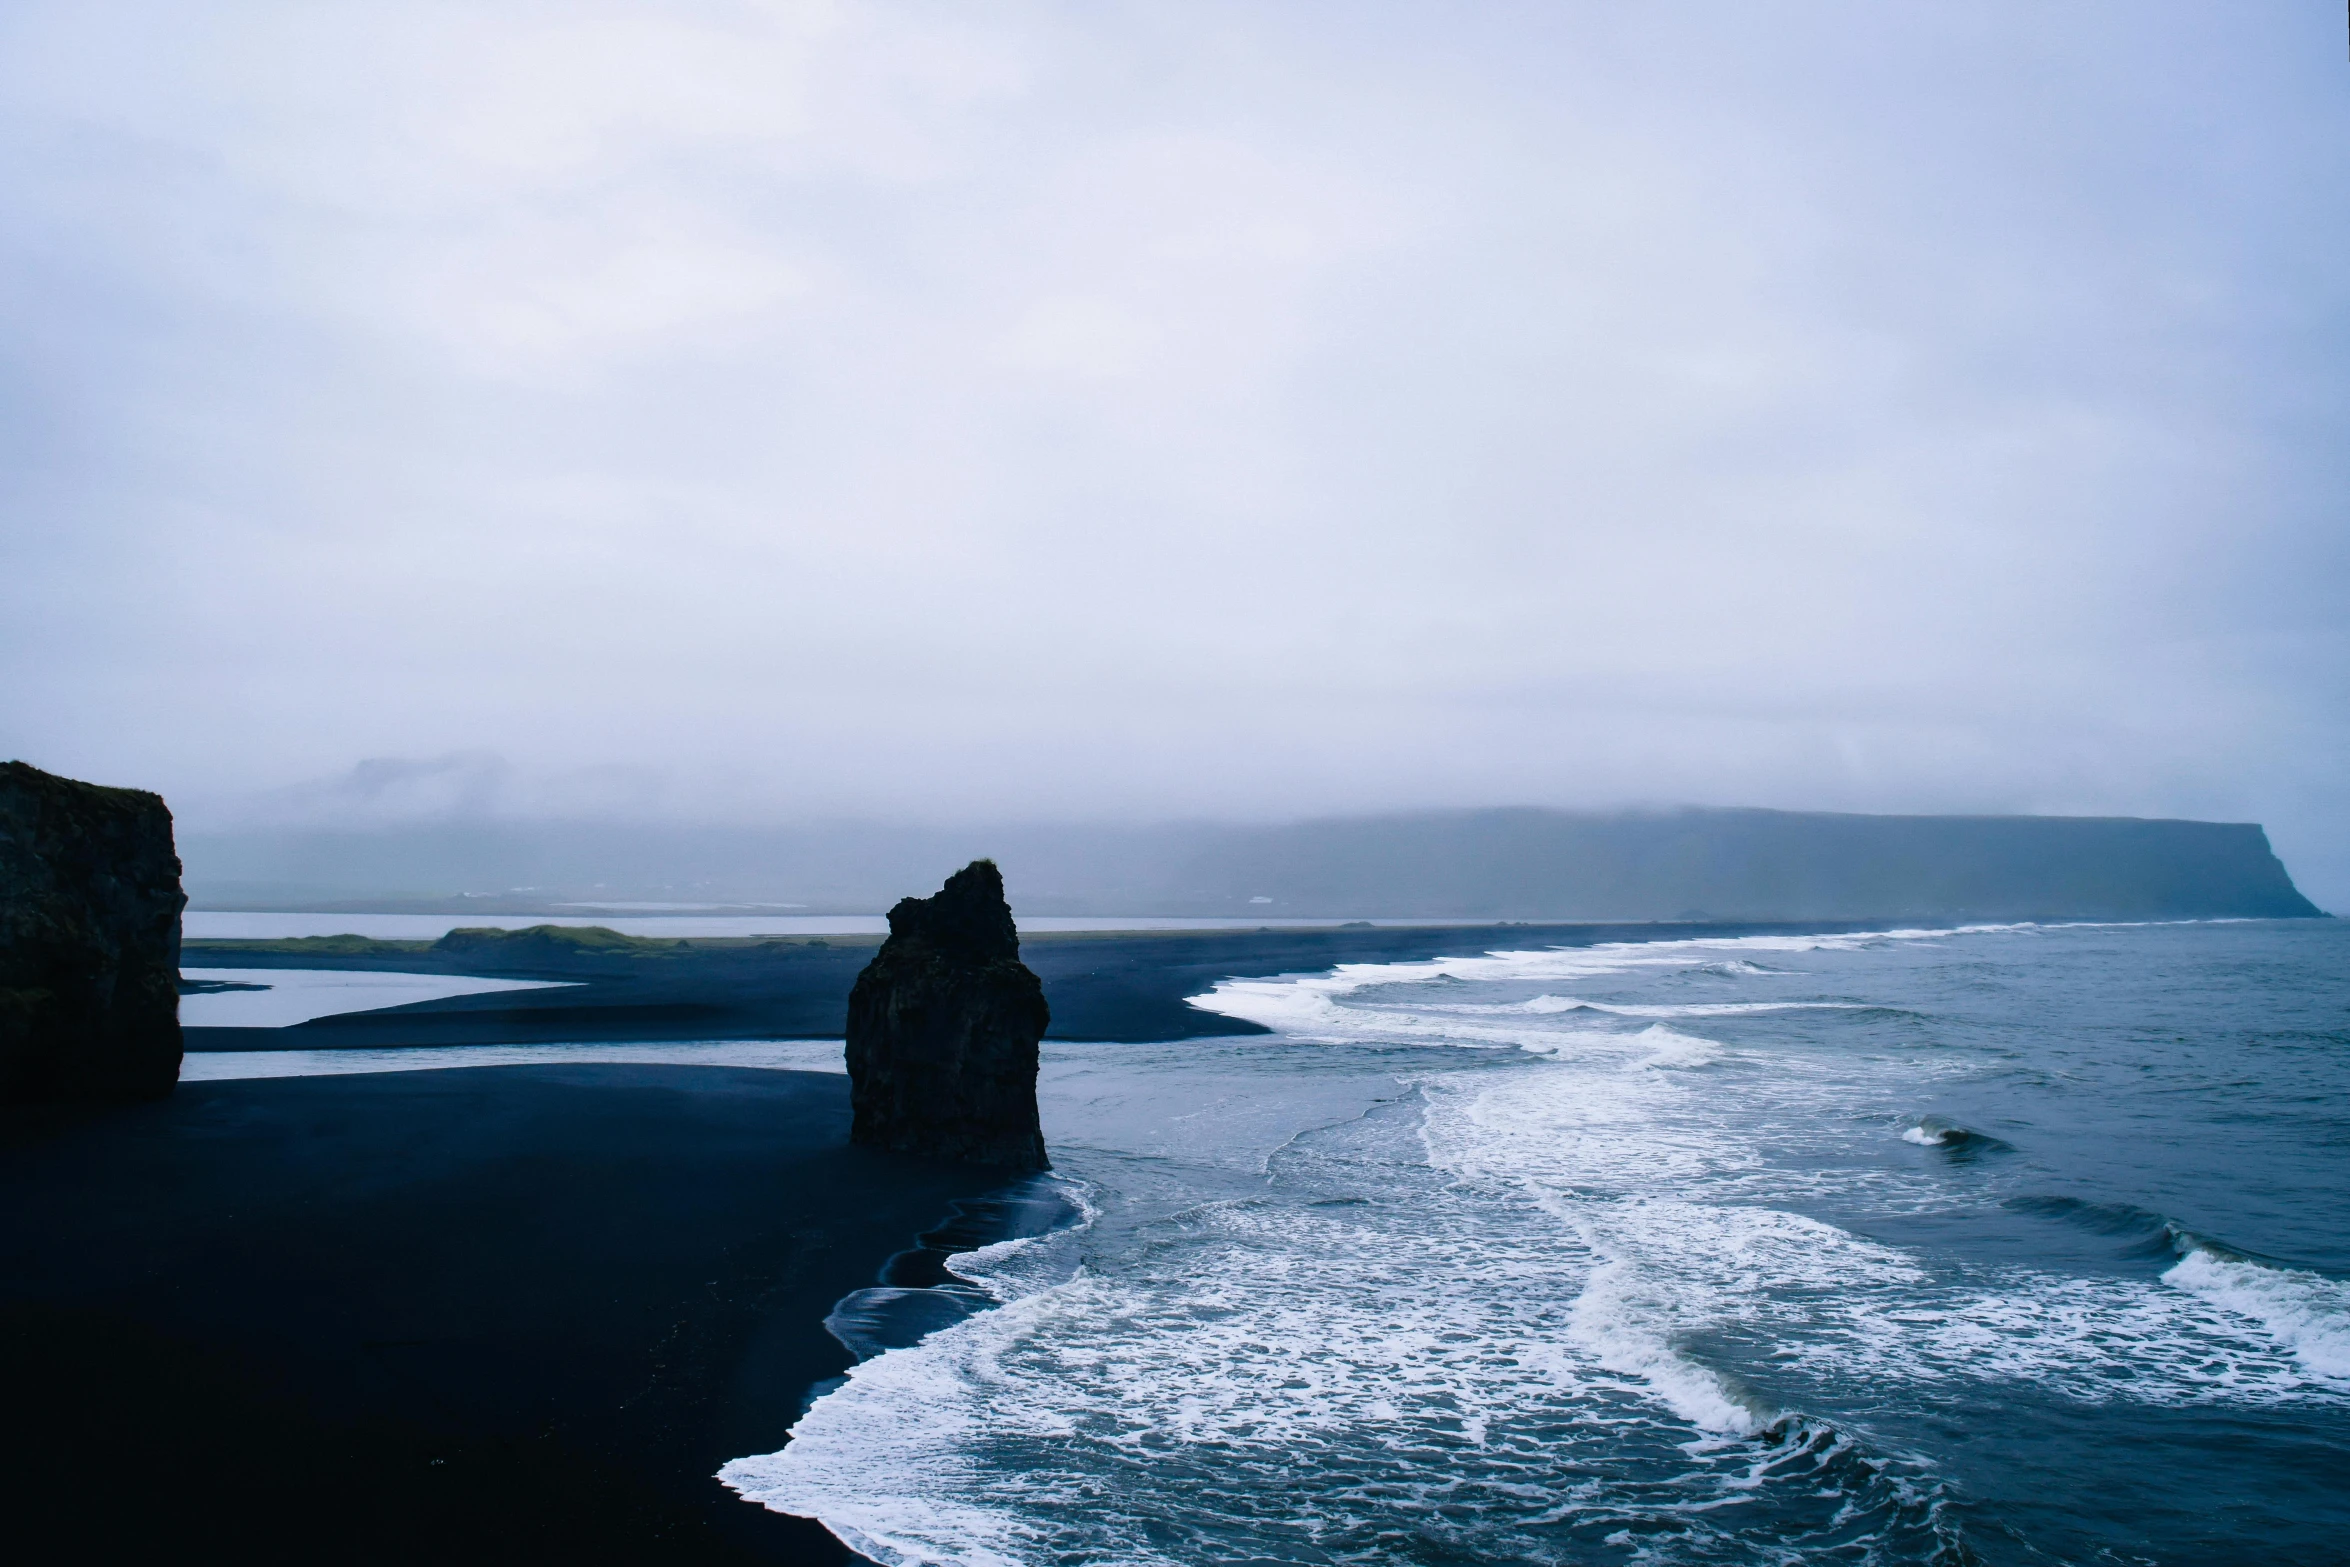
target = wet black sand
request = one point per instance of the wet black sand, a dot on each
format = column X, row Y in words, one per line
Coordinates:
column 1101, row 985
column 506, row 1314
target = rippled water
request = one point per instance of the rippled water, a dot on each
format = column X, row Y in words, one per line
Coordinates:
column 2001, row 1245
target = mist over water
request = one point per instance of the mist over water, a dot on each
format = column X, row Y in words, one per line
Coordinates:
column 2000, row 1245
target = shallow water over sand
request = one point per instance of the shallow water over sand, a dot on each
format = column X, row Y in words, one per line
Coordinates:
column 784, row 1055
column 281, row 998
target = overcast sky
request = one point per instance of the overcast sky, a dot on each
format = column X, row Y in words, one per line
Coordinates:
column 1130, row 410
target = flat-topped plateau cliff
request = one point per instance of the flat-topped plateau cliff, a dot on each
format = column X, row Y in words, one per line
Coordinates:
column 1517, row 864
column 1754, row 865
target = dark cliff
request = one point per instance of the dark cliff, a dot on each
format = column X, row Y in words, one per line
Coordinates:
column 1747, row 865
column 89, row 940
column 943, row 1028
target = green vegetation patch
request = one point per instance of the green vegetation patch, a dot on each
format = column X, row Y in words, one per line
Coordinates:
column 554, row 940
column 310, row 946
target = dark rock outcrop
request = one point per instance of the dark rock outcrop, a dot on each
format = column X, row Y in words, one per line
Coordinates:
column 89, row 940
column 943, row 1027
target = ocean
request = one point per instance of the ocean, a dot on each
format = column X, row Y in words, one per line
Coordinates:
column 2001, row 1245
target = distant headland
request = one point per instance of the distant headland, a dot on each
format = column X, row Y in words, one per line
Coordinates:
column 1470, row 865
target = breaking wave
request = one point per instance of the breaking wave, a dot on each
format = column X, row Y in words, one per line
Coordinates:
column 1576, row 1281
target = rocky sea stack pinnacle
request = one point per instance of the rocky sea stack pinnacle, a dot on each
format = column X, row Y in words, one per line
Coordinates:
column 943, row 1030
column 89, row 940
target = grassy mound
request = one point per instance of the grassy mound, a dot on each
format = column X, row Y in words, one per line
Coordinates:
column 552, row 941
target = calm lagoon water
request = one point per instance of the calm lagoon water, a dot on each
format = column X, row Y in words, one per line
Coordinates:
column 787, row 1055
column 280, row 998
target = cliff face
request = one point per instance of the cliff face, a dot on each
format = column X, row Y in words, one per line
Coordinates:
column 1744, row 865
column 943, row 1027
column 89, row 940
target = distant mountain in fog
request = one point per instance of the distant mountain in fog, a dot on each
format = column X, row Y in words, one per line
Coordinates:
column 1469, row 865
column 1744, row 864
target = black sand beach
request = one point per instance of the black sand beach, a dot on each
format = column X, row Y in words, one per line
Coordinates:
column 504, row 1314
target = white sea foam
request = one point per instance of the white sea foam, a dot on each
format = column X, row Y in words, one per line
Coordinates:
column 1614, row 1118
column 1544, row 1005
column 1255, row 1350
column 1609, row 1123
column 2089, row 1339
column 2306, row 1313
column 1851, row 1308
column 1025, row 1265
column 1495, row 1312
column 1592, row 1143
column 1309, row 1005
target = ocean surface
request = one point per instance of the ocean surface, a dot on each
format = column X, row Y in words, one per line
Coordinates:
column 1998, row 1245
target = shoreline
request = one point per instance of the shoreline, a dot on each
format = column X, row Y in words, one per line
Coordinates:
column 1104, row 987
column 484, row 1314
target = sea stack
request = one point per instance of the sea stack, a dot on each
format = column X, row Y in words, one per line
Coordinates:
column 943, row 1029
column 90, row 906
